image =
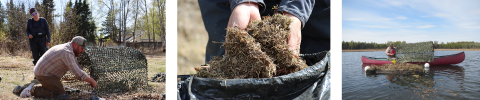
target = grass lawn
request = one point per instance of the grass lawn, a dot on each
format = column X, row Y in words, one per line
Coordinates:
column 16, row 70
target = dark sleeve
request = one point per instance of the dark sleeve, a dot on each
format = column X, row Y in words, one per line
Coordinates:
column 299, row 8
column 28, row 28
column 215, row 15
column 47, row 29
column 261, row 4
column 316, row 31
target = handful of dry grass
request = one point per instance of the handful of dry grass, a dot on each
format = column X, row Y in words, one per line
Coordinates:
column 260, row 51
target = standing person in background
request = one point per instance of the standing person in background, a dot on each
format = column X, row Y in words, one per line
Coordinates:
column 38, row 35
column 391, row 52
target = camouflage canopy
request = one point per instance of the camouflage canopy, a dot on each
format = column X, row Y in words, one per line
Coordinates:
column 415, row 52
column 114, row 68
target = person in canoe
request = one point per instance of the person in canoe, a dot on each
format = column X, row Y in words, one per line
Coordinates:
column 391, row 52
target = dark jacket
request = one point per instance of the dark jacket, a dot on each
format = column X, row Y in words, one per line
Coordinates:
column 38, row 28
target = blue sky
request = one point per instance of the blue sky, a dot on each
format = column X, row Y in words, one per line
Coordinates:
column 60, row 6
column 411, row 20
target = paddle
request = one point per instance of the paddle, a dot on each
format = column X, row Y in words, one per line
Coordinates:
column 415, row 52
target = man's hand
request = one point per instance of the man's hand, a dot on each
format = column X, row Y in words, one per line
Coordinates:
column 243, row 13
column 202, row 67
column 295, row 36
column 48, row 43
column 92, row 82
column 30, row 36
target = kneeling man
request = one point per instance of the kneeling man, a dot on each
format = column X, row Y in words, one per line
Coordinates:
column 53, row 65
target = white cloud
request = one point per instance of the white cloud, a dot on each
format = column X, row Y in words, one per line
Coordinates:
column 354, row 19
column 373, row 26
column 401, row 17
column 426, row 26
column 363, row 18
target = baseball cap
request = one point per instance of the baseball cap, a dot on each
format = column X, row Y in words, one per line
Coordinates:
column 80, row 40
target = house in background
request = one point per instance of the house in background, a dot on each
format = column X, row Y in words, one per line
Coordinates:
column 141, row 36
column 141, row 40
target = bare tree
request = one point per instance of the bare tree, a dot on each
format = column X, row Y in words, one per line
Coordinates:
column 146, row 14
column 161, row 9
column 125, row 15
column 135, row 25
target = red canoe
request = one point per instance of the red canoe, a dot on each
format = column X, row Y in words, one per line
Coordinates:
column 438, row 60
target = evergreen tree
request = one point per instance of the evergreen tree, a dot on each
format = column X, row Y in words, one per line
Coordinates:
column 68, row 26
column 84, row 21
column 48, row 7
column 108, row 28
column 2, row 19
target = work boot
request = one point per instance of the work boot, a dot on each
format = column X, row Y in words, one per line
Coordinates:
column 26, row 92
column 17, row 90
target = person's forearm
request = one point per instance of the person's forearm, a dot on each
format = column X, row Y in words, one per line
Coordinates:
column 28, row 28
column 386, row 51
column 48, row 37
column 71, row 63
column 47, row 29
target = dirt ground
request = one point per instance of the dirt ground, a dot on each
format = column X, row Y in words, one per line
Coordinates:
column 17, row 70
column 192, row 37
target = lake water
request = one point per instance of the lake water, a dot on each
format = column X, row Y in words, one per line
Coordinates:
column 458, row 81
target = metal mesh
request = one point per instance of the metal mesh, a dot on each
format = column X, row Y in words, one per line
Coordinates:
column 415, row 52
column 114, row 68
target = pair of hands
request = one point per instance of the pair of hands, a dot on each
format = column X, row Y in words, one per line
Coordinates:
column 243, row 13
column 30, row 36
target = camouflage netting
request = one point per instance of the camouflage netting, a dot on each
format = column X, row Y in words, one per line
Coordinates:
column 115, row 69
column 415, row 52
column 260, row 51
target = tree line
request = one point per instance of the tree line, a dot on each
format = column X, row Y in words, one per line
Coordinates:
column 121, row 17
column 443, row 45
column 149, row 18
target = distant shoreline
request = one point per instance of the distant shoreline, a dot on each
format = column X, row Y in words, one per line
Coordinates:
column 368, row 50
